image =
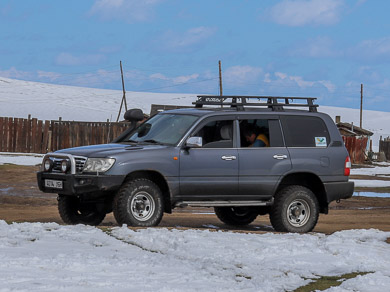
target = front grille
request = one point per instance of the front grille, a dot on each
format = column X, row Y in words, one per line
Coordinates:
column 57, row 163
column 80, row 161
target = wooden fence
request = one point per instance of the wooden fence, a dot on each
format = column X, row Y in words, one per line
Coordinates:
column 384, row 146
column 356, row 148
column 36, row 136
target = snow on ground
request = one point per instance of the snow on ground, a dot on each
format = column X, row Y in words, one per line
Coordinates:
column 20, row 158
column 50, row 257
column 383, row 169
column 48, row 102
column 364, row 183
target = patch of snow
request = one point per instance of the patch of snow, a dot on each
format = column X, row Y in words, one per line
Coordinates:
column 371, row 183
column 50, row 257
column 20, row 158
column 376, row 170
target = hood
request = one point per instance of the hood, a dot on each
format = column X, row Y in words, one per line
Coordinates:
column 107, row 150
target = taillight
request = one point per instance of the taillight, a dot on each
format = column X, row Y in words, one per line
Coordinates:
column 347, row 166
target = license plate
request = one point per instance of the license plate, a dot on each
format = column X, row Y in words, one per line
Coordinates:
column 55, row 184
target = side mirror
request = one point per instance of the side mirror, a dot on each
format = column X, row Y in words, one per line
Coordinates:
column 194, row 142
column 134, row 114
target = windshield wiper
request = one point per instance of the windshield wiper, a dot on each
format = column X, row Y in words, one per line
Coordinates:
column 130, row 141
column 152, row 141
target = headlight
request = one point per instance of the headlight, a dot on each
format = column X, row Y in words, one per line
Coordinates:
column 65, row 166
column 47, row 165
column 98, row 164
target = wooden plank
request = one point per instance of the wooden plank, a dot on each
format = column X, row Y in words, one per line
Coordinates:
column 45, row 139
column 7, row 133
column 34, row 142
column 39, row 138
column 2, row 138
column 14, row 133
column 24, row 136
column 29, row 135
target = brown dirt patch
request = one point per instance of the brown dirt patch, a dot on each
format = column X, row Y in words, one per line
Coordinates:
column 21, row 201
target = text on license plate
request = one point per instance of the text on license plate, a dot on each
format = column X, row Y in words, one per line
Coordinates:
column 55, row 184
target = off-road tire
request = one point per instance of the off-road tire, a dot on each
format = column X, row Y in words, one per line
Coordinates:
column 72, row 211
column 235, row 216
column 138, row 198
column 295, row 209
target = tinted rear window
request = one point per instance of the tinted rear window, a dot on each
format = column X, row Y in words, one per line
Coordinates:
column 305, row 131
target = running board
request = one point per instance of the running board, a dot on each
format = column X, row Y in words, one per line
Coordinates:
column 223, row 203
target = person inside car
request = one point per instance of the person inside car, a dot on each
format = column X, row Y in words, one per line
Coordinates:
column 256, row 138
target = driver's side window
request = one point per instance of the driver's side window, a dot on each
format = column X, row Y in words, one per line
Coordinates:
column 217, row 134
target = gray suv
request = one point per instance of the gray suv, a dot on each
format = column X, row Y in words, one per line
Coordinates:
column 208, row 157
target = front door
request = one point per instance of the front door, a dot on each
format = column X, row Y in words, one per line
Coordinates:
column 210, row 172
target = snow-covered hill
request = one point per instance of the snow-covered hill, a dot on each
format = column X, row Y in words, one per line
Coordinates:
column 48, row 102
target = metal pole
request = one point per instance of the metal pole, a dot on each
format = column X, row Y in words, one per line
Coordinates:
column 123, row 87
column 220, row 79
column 361, row 105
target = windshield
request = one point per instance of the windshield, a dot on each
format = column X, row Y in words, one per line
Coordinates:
column 162, row 129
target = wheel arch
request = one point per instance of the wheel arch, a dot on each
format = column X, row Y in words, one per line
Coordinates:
column 159, row 180
column 309, row 180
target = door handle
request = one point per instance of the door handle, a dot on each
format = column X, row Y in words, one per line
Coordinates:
column 229, row 158
column 280, row 156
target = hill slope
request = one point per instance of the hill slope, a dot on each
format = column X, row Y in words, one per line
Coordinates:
column 48, row 102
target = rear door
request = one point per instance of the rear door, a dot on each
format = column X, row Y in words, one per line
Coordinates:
column 261, row 168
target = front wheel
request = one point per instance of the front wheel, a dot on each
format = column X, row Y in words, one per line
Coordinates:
column 236, row 216
column 139, row 203
column 73, row 211
column 295, row 209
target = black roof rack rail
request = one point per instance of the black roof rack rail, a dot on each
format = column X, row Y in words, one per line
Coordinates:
column 240, row 102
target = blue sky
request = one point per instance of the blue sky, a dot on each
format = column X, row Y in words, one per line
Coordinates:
column 321, row 48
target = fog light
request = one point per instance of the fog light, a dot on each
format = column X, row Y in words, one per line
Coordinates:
column 65, row 166
column 48, row 164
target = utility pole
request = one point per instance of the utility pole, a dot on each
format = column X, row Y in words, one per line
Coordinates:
column 361, row 105
column 220, row 79
column 124, row 94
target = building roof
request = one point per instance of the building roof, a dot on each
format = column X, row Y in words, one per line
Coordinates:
column 352, row 130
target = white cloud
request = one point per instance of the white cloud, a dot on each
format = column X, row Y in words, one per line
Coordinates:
column 127, row 10
column 306, row 12
column 16, row 74
column 179, row 42
column 319, row 47
column 175, row 80
column 377, row 49
column 241, row 74
column 284, row 80
column 67, row 59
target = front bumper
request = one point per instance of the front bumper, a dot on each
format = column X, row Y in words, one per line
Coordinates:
column 76, row 184
column 338, row 190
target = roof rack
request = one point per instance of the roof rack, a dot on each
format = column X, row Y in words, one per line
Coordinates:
column 276, row 103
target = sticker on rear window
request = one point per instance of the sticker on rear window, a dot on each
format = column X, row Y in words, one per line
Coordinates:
column 320, row 141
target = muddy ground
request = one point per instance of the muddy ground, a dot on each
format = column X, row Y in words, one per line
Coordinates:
column 21, row 201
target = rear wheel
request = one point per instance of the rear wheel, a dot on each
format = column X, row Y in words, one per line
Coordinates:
column 236, row 216
column 295, row 209
column 139, row 203
column 74, row 211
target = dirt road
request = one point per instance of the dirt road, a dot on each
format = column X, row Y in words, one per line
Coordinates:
column 21, row 201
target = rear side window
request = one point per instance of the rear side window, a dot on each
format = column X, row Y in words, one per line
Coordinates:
column 305, row 131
